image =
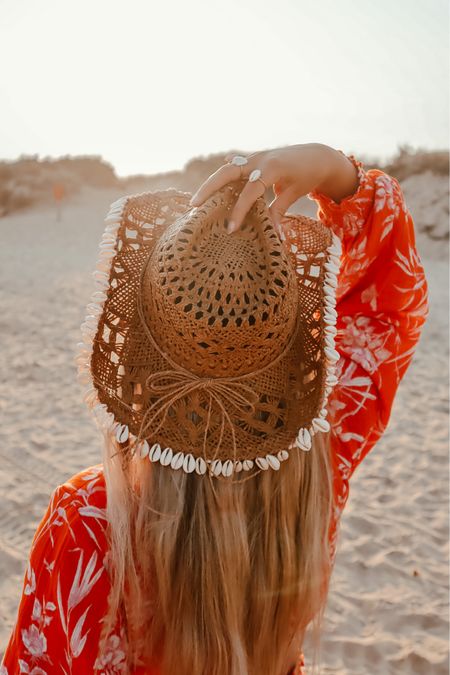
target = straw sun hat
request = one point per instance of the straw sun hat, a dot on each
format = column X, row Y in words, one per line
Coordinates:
column 206, row 351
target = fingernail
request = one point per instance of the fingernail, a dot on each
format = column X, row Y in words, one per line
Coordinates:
column 231, row 226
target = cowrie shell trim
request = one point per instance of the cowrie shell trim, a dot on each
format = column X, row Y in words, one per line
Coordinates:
column 186, row 461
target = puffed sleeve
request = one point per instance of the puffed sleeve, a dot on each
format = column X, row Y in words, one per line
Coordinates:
column 63, row 596
column 382, row 304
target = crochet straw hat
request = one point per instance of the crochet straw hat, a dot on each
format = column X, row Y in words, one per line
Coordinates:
column 207, row 351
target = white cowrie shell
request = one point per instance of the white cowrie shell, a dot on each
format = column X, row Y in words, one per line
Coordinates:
column 323, row 412
column 334, row 259
column 330, row 290
column 255, row 174
column 332, row 354
column 155, row 453
column 102, row 283
column 227, row 468
column 90, row 395
column 239, row 160
column 106, row 254
column 144, row 450
column 273, row 461
column 320, row 424
column 329, row 341
column 262, row 463
column 247, row 464
column 119, row 201
column 331, row 267
column 238, row 466
column 330, row 330
column 329, row 301
column 336, row 241
column 283, row 455
column 122, row 433
column 302, row 445
column 330, row 313
column 189, row 464
column 103, row 265
column 200, row 466
column 304, row 439
column 333, row 250
column 100, row 275
column 331, row 380
column 216, row 467
column 177, row 460
column 331, row 280
column 98, row 295
column 95, row 309
column 166, row 456
column 306, row 436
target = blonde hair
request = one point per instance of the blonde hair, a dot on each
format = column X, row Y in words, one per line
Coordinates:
column 213, row 578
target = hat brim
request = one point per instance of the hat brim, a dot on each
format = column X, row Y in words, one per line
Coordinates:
column 289, row 394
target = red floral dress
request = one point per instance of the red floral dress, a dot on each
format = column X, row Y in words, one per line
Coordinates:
column 382, row 304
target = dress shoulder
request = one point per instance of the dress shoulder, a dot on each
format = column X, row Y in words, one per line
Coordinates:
column 66, row 583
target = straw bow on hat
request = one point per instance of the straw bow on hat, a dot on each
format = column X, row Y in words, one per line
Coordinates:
column 205, row 351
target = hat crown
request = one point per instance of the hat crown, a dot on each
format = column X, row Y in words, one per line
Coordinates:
column 220, row 303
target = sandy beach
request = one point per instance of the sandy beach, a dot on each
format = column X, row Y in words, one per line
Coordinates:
column 388, row 606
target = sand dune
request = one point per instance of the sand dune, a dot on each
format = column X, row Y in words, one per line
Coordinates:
column 388, row 604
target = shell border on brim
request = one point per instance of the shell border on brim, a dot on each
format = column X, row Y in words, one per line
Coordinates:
column 186, row 461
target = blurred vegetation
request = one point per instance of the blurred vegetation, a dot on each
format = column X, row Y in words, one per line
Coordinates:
column 409, row 162
column 30, row 180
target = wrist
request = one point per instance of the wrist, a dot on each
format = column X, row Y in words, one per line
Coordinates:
column 340, row 178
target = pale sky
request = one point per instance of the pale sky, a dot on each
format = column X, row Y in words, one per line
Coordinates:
column 150, row 85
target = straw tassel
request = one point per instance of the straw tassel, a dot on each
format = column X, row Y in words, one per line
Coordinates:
column 107, row 251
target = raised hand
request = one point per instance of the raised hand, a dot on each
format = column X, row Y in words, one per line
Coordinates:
column 292, row 171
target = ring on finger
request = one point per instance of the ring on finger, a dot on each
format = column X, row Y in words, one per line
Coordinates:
column 256, row 175
column 240, row 161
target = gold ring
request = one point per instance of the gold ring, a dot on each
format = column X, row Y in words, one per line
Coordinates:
column 256, row 175
column 240, row 161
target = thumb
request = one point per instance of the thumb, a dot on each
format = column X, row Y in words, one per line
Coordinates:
column 281, row 203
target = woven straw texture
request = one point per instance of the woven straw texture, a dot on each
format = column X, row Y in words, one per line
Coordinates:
column 212, row 343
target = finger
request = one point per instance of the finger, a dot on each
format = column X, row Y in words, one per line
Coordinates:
column 279, row 187
column 225, row 174
column 281, row 203
column 245, row 201
column 229, row 156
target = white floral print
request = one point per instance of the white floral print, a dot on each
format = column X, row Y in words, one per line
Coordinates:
column 382, row 304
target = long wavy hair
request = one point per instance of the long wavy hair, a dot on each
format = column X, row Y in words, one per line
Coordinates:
column 213, row 578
